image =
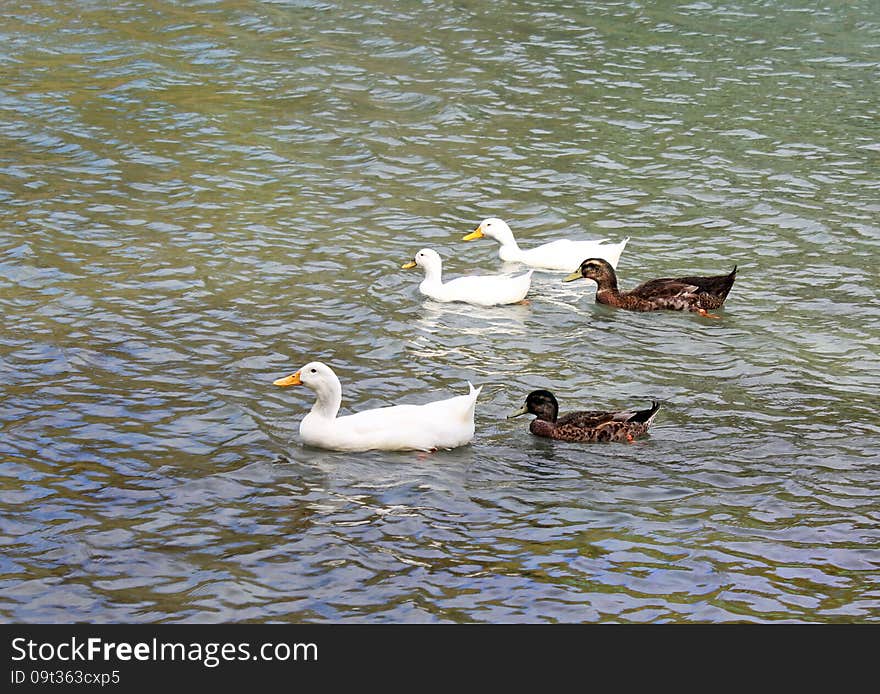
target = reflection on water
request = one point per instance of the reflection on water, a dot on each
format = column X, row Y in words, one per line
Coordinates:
column 199, row 199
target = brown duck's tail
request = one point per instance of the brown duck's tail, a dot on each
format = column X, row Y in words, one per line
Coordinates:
column 646, row 416
column 717, row 285
column 727, row 283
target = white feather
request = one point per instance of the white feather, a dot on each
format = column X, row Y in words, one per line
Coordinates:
column 564, row 255
column 445, row 423
column 482, row 290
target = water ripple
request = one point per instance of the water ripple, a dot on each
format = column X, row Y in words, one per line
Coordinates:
column 197, row 200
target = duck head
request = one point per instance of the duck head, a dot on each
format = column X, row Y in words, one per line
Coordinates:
column 493, row 228
column 315, row 376
column 427, row 259
column 596, row 269
column 541, row 403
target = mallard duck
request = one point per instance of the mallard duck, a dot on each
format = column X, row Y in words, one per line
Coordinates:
column 583, row 426
column 563, row 255
column 439, row 424
column 483, row 290
column 697, row 294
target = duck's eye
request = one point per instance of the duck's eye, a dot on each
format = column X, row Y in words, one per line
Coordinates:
column 314, row 371
column 488, row 224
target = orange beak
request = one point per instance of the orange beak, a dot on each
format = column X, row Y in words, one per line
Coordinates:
column 292, row 380
column 475, row 234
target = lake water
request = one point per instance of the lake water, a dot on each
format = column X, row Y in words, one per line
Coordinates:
column 199, row 198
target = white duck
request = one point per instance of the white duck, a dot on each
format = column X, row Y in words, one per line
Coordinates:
column 483, row 290
column 563, row 255
column 439, row 424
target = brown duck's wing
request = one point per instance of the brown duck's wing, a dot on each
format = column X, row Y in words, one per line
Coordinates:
column 596, row 418
column 608, row 430
column 585, row 420
column 681, row 287
column 604, row 426
column 664, row 288
column 717, row 285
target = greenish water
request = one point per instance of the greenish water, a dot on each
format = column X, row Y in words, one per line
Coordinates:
column 198, row 198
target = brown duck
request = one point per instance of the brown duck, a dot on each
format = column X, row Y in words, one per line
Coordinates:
column 699, row 294
column 588, row 427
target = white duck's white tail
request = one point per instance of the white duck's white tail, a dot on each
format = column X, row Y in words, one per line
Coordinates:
column 615, row 251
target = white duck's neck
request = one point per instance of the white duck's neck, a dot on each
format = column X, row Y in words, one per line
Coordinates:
column 329, row 399
column 433, row 275
column 509, row 247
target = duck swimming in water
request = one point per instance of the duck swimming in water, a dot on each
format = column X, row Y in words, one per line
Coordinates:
column 698, row 294
column 561, row 255
column 583, row 426
column 482, row 290
column 439, row 424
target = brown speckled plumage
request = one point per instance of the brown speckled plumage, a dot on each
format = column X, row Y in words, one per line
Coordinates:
column 587, row 427
column 673, row 294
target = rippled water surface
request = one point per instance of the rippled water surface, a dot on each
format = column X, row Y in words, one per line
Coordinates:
column 200, row 197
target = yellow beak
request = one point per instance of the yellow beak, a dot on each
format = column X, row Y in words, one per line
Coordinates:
column 576, row 275
column 475, row 234
column 521, row 410
column 292, row 380
column 408, row 266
